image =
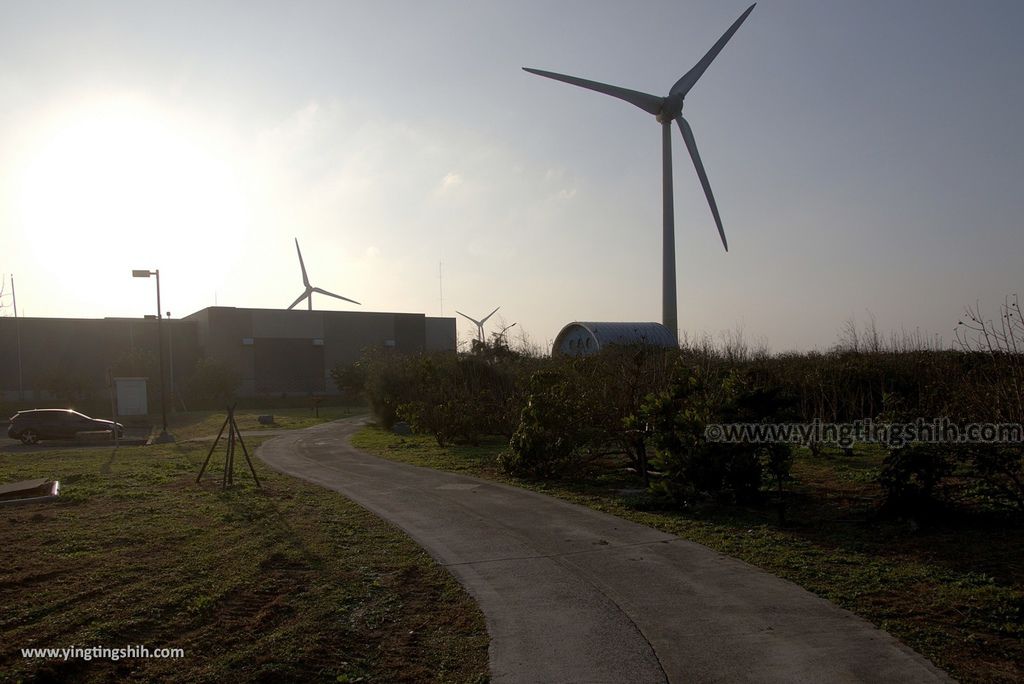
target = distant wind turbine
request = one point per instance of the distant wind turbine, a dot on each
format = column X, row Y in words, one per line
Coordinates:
column 480, row 323
column 308, row 294
column 666, row 110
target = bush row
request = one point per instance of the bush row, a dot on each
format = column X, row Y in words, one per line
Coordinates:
column 647, row 410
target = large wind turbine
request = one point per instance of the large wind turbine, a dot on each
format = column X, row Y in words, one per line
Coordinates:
column 668, row 109
column 308, row 294
column 480, row 323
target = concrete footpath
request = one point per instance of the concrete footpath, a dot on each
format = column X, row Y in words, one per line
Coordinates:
column 573, row 595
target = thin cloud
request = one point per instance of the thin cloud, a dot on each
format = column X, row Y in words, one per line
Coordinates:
column 451, row 180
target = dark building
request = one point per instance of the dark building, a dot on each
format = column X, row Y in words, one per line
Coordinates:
column 47, row 357
column 274, row 351
column 293, row 351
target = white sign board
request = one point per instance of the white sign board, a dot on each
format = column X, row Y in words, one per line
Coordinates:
column 131, row 396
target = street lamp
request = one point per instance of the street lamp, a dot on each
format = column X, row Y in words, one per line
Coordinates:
column 170, row 360
column 164, row 436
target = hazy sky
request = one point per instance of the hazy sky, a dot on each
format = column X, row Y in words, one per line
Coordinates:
column 866, row 156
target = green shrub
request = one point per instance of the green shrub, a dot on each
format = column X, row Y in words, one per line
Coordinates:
column 912, row 477
column 447, row 395
column 390, row 381
column 350, row 379
column 1000, row 469
column 692, row 467
column 550, row 435
column 628, row 405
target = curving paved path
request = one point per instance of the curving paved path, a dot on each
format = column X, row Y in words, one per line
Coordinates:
column 573, row 595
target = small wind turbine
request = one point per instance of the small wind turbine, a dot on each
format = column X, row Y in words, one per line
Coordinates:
column 480, row 323
column 666, row 110
column 308, row 294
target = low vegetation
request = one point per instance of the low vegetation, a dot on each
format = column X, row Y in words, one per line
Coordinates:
column 201, row 424
column 285, row 583
column 650, row 410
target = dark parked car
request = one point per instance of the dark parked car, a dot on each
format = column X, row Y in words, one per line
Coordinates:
column 36, row 424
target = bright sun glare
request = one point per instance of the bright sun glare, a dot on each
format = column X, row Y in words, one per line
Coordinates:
column 120, row 176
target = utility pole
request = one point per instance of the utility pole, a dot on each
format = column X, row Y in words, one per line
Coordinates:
column 17, row 326
column 170, row 345
column 164, row 436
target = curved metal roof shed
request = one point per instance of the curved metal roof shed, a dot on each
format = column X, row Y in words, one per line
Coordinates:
column 588, row 337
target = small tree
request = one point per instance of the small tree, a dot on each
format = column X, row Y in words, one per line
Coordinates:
column 1002, row 343
column 912, row 477
column 694, row 466
column 213, row 382
column 619, row 381
column 1001, row 470
column 551, row 432
column 350, row 378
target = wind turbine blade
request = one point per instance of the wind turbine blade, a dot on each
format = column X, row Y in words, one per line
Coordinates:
column 305, row 278
column 336, row 296
column 649, row 103
column 691, row 146
column 488, row 316
column 301, row 297
column 688, row 80
column 475, row 322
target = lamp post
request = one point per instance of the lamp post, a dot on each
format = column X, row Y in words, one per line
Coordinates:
column 17, row 325
column 164, row 436
column 170, row 359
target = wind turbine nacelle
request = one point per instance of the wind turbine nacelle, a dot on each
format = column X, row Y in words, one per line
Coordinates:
column 671, row 108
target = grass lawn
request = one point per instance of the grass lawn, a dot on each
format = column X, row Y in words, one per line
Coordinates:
column 954, row 594
column 288, row 583
column 195, row 424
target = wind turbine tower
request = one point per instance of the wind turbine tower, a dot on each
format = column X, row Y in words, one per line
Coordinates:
column 666, row 110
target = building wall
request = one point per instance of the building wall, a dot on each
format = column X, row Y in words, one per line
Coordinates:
column 293, row 351
column 410, row 333
column 288, row 324
column 440, row 334
column 223, row 335
column 348, row 333
column 273, row 351
column 289, row 365
column 73, row 354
